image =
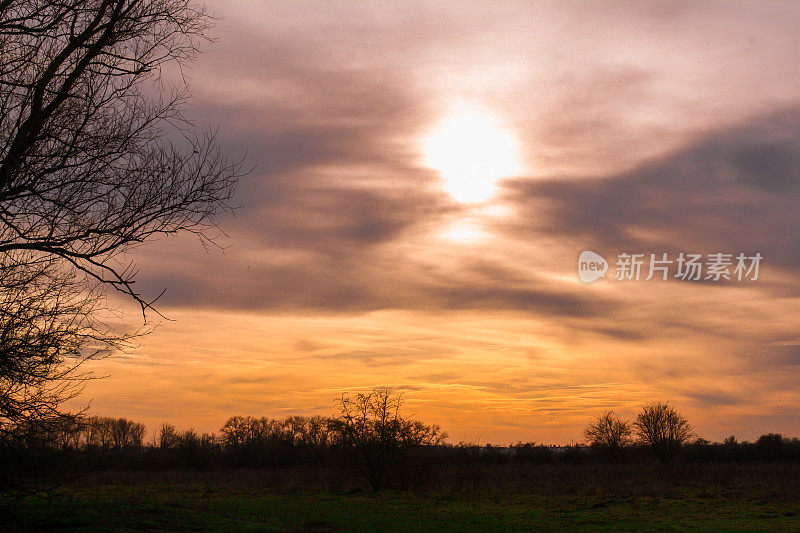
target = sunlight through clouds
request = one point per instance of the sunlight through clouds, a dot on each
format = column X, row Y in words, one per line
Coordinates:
column 471, row 151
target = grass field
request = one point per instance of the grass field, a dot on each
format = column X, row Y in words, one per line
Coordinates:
column 202, row 502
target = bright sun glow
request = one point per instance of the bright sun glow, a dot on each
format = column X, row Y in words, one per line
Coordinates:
column 471, row 152
column 463, row 232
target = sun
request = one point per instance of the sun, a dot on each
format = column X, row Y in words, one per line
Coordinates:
column 471, row 151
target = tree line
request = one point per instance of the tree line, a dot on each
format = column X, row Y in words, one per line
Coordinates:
column 370, row 435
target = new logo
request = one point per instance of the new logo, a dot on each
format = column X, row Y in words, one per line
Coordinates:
column 591, row 266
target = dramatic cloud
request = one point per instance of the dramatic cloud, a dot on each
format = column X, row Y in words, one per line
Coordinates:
column 643, row 128
column 734, row 190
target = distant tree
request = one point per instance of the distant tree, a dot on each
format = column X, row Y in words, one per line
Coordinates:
column 663, row 429
column 108, row 432
column 315, row 433
column 608, row 432
column 167, row 436
column 371, row 425
column 97, row 434
column 238, row 431
column 771, row 446
column 194, row 449
column 69, row 435
column 260, row 441
column 126, row 433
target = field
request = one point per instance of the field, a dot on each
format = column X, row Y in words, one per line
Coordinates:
column 759, row 497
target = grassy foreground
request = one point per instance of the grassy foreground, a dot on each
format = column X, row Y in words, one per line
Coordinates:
column 154, row 507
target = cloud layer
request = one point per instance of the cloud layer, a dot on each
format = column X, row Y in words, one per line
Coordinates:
column 647, row 128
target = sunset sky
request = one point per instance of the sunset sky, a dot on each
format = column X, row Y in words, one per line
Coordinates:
column 425, row 177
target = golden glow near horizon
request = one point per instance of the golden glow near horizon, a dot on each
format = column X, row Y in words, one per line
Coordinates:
column 471, row 152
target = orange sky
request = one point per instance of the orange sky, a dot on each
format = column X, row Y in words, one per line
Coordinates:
column 354, row 261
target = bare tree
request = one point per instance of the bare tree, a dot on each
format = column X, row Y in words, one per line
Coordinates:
column 125, row 433
column 167, row 436
column 50, row 322
column 96, row 157
column 664, row 429
column 95, row 153
column 371, row 425
column 48, row 326
column 314, row 432
column 608, row 432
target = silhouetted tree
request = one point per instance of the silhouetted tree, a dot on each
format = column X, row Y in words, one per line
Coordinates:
column 259, row 441
column 125, row 433
column 96, row 157
column 370, row 424
column 315, row 433
column 608, row 432
column 167, row 436
column 43, row 322
column 661, row 427
column 771, row 446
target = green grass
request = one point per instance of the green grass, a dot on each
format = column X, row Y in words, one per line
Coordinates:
column 156, row 507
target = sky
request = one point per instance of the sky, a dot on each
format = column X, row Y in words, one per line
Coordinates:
column 425, row 177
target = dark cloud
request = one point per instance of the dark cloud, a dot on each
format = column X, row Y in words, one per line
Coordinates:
column 295, row 104
column 715, row 398
column 365, row 280
column 318, row 245
column 326, row 219
column 786, row 359
column 333, row 211
column 772, row 166
column 732, row 191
